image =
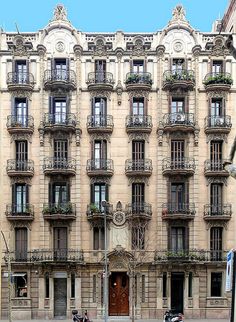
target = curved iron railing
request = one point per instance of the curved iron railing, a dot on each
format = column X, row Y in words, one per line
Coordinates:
column 59, row 208
column 55, row 75
column 138, row 78
column 100, row 121
column 100, row 78
column 24, row 78
column 171, row 76
column 187, row 119
column 59, row 119
column 17, row 121
column 214, row 165
column 23, row 209
column 138, row 165
column 178, row 208
column 218, row 78
column 198, row 255
column 178, row 164
column 218, row 210
column 139, row 208
column 98, row 208
column 20, row 165
column 59, row 164
column 218, row 121
column 139, row 121
column 100, row 164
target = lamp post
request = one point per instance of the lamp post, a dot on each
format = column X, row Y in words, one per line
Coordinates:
column 105, row 286
column 9, row 277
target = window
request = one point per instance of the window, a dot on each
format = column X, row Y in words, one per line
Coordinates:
column 21, row 243
column 60, row 243
column 72, row 279
column 178, row 239
column 190, row 284
column 58, row 110
column 21, row 155
column 20, row 284
column 216, row 198
column 21, row 111
column 60, row 69
column 177, row 105
column 138, row 197
column 217, row 66
column 138, row 237
column 20, row 198
column 138, row 155
column 216, row 284
column 177, row 153
column 217, row 108
column 177, row 64
column 59, row 193
column 94, row 288
column 21, row 72
column 98, row 238
column 47, row 294
column 179, row 197
column 100, row 71
column 60, row 152
column 138, row 108
column 138, row 66
column 216, row 244
column 143, row 288
column 99, row 111
column 99, row 192
column 164, row 284
column 100, row 154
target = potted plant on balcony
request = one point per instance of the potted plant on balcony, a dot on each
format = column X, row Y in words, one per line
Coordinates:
column 93, row 208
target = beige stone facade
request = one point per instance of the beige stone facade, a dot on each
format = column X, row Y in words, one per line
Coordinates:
column 144, row 121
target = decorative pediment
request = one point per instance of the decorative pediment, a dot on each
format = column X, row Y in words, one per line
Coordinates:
column 138, row 46
column 19, row 46
column 100, row 46
column 218, row 46
column 222, row 180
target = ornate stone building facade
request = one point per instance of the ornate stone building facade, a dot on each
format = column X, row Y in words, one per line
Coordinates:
column 143, row 121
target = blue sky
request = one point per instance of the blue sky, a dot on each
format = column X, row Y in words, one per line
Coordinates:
column 109, row 15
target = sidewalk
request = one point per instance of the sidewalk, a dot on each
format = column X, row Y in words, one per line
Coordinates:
column 120, row 320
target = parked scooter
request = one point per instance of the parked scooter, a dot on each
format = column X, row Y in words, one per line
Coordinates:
column 170, row 316
column 76, row 317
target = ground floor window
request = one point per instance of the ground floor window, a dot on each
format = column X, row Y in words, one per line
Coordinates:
column 20, row 284
column 216, row 283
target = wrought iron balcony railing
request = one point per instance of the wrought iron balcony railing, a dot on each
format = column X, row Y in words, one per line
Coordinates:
column 56, row 75
column 214, row 121
column 176, row 208
column 20, row 165
column 100, row 78
column 20, row 122
column 218, row 78
column 197, row 255
column 65, row 119
column 139, row 208
column 98, row 208
column 64, row 208
column 20, row 78
column 144, row 165
column 219, row 210
column 184, row 163
column 59, row 164
column 179, row 75
column 100, row 121
column 138, row 78
column 214, row 166
column 47, row 255
column 186, row 119
column 100, row 164
column 19, row 209
column 139, row 121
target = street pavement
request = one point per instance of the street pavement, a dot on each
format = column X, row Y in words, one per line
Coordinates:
column 121, row 320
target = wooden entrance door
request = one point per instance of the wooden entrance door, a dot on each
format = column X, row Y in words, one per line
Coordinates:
column 60, row 297
column 119, row 294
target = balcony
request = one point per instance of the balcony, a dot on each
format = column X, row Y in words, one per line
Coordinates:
column 48, row 256
column 24, row 168
column 59, row 166
column 217, row 212
column 218, row 124
column 20, row 124
column 17, row 212
column 20, row 81
column 100, row 167
column 138, row 167
column 139, row 211
column 183, row 167
column 138, row 81
column 173, row 211
column 59, row 79
column 59, row 122
column 214, row 168
column 184, row 122
column 190, row 255
column 138, row 123
column 95, row 213
column 178, row 79
column 100, row 81
column 218, row 82
column 59, row 211
column 100, row 124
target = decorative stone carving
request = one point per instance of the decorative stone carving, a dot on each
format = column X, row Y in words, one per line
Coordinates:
column 118, row 206
column 100, row 46
column 138, row 180
column 211, row 180
column 119, row 53
column 196, row 136
column 100, row 93
column 196, row 50
column 178, row 13
column 60, row 13
column 138, row 136
column 78, row 133
column 178, row 46
column 101, row 179
column 119, row 90
column 216, row 136
column 160, row 133
column 138, row 46
column 26, row 180
column 78, row 50
column 25, row 137
column 217, row 94
column 41, row 136
column 119, row 218
column 160, row 50
column 21, row 224
column 60, row 46
column 217, row 223
column 22, row 93
column 140, row 93
column 19, row 46
column 100, row 136
column 218, row 48
column 41, row 49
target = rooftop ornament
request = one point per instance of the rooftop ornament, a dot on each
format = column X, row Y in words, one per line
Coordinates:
column 60, row 13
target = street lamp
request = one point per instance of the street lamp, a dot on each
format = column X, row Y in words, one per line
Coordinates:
column 9, row 277
column 105, row 204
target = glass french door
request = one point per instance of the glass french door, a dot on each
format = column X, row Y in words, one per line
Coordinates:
column 21, row 72
column 216, row 243
column 216, row 199
column 60, row 153
column 21, row 155
column 217, row 112
column 20, row 198
column 21, row 112
column 60, row 193
column 217, row 67
column 100, row 71
column 99, row 111
column 60, row 243
column 59, row 111
column 138, row 197
column 177, row 154
column 21, row 243
column 60, row 69
column 138, row 66
column 138, row 155
column 216, row 155
column 178, row 197
column 99, row 195
column 100, row 154
column 177, row 239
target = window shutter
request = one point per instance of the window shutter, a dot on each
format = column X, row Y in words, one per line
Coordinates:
column 52, row 63
column 145, row 65
column 50, row 192
column 186, row 192
column 67, row 104
column 27, row 66
column 51, row 98
column 92, row 193
column 13, row 194
column 145, row 103
column 67, row 64
column 169, row 237
column 131, row 65
column 223, row 107
column 13, row 65
column 68, row 191
column 27, row 193
column 107, row 192
column 186, row 237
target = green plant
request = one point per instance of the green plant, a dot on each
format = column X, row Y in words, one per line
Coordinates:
column 94, row 208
